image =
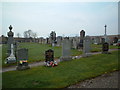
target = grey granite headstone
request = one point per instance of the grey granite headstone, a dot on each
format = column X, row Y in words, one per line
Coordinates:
column 87, row 46
column 59, row 41
column 97, row 40
column 22, row 58
column 74, row 43
column 66, row 50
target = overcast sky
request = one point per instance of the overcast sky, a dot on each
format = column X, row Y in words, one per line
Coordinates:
column 65, row 18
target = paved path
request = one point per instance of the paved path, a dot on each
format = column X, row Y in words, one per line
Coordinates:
column 12, row 68
column 109, row 80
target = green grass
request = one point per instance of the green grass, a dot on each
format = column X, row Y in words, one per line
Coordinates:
column 98, row 48
column 65, row 74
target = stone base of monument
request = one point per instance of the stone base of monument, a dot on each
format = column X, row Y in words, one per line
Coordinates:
column 86, row 54
column 10, row 59
column 20, row 68
column 65, row 58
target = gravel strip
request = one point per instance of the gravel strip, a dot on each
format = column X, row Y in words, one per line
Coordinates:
column 109, row 80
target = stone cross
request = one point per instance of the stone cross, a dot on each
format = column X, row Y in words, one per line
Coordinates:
column 10, row 40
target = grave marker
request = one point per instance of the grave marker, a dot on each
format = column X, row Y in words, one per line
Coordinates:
column 22, row 58
column 105, row 48
column 49, row 55
column 86, row 46
column 66, row 50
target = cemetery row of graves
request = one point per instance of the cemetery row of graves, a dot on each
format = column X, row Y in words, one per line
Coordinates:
column 61, row 48
column 67, row 72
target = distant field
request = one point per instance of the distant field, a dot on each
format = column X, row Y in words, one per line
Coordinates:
column 37, row 51
column 63, row 75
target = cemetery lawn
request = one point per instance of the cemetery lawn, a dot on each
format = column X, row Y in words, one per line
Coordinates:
column 63, row 75
column 98, row 48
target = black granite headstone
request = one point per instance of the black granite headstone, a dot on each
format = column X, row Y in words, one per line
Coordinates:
column 49, row 55
column 105, row 47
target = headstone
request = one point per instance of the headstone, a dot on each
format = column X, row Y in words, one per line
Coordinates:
column 10, row 57
column 82, row 35
column 59, row 41
column 115, row 40
column 66, row 50
column 53, row 38
column 49, row 55
column 105, row 48
column 87, row 46
column 74, row 43
column 97, row 40
column 49, row 58
column 22, row 58
column 102, row 40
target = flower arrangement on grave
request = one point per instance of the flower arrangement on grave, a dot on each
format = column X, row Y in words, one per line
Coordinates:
column 23, row 61
column 51, row 63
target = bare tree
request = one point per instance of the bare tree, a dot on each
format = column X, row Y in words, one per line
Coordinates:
column 18, row 35
column 26, row 34
column 34, row 35
column 30, row 33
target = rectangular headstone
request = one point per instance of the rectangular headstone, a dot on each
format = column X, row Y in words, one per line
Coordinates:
column 105, row 47
column 49, row 55
column 22, row 57
column 22, row 54
column 87, row 46
column 66, row 50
